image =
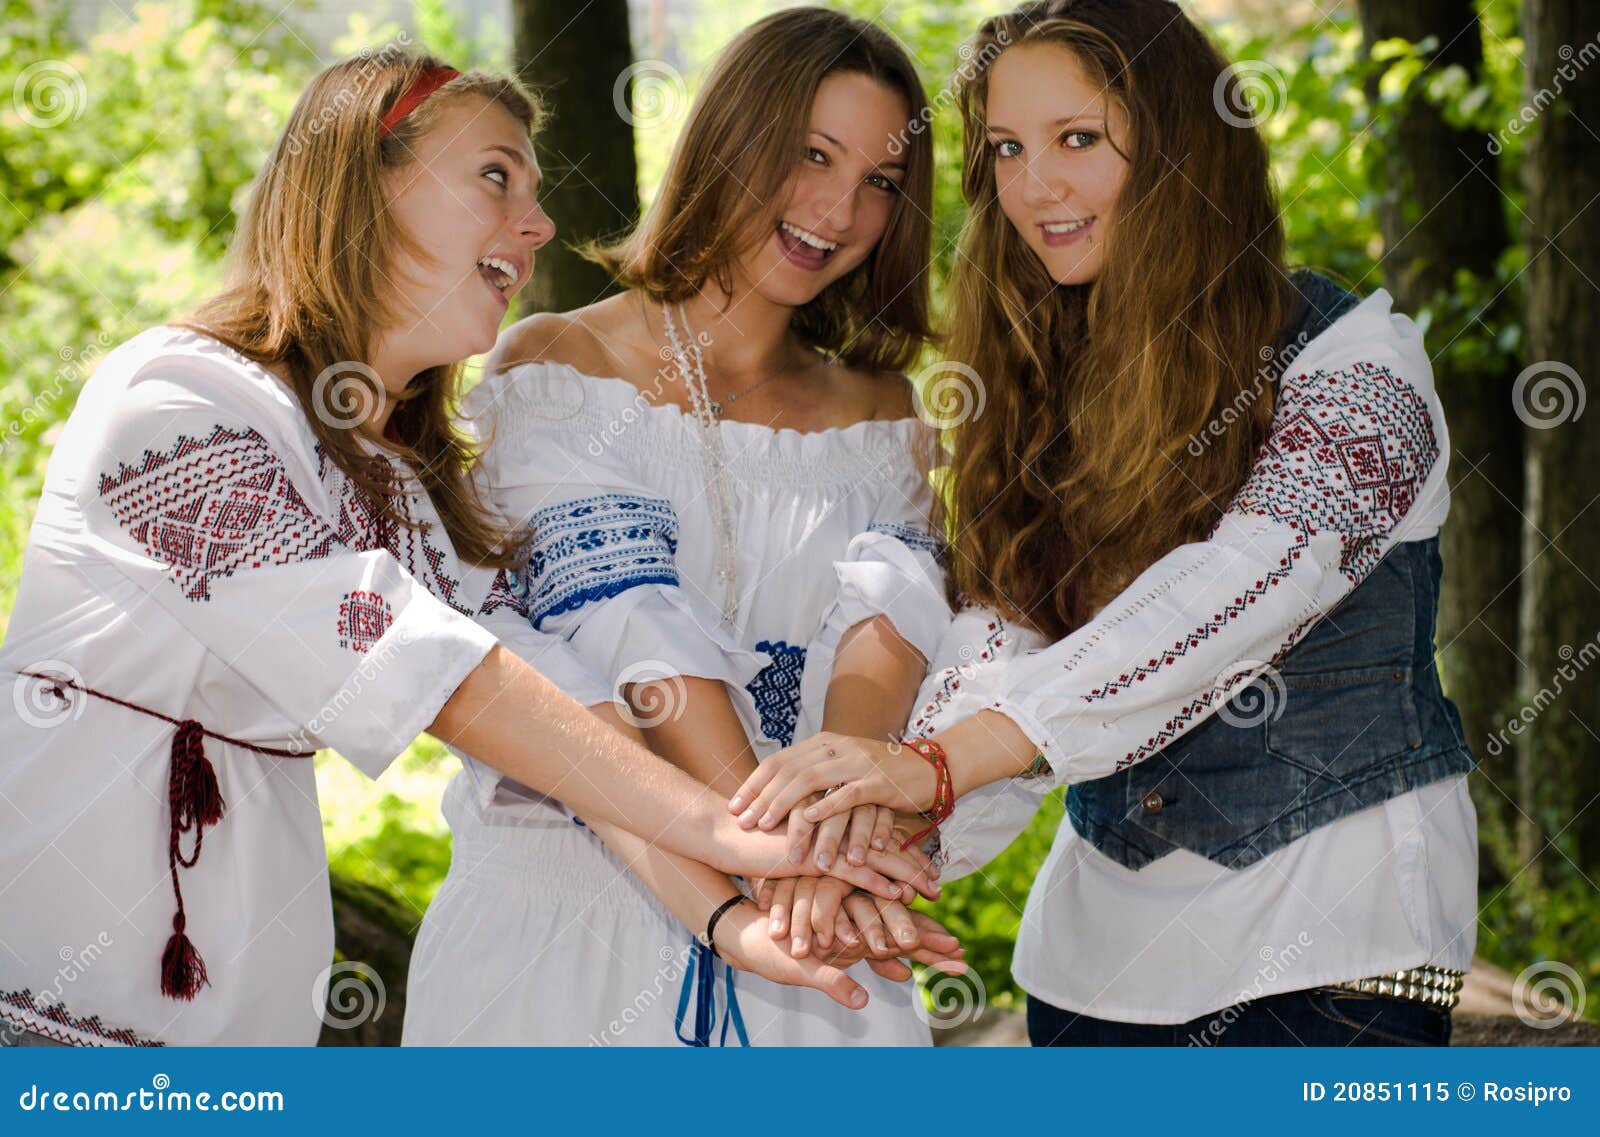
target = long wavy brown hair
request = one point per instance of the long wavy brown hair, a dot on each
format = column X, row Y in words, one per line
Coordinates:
column 307, row 287
column 1079, row 473
column 743, row 137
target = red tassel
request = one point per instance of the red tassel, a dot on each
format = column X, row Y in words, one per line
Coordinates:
column 194, row 801
column 196, row 796
column 183, row 972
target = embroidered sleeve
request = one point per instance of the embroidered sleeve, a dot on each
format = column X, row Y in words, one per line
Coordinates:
column 219, row 519
column 893, row 568
column 1354, row 463
column 602, row 571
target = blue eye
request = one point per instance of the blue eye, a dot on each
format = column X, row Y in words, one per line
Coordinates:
column 879, row 181
column 1000, row 150
column 1090, row 136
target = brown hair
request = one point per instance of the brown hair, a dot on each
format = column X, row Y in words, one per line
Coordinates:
column 308, row 270
column 1077, row 475
column 740, row 146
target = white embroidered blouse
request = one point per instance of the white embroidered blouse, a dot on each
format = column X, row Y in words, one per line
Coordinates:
column 197, row 555
column 1355, row 463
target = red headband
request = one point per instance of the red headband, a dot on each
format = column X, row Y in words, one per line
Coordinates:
column 421, row 87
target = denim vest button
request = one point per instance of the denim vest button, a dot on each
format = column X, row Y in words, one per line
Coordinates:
column 1152, row 802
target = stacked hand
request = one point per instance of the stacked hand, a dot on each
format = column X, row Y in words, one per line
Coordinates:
column 832, row 921
column 848, row 773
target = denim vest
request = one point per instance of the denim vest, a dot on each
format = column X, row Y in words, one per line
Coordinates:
column 1350, row 717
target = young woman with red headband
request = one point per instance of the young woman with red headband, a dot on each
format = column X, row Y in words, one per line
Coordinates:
column 258, row 536
column 1196, row 530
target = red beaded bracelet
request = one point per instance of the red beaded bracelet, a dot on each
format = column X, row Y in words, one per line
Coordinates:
column 944, row 790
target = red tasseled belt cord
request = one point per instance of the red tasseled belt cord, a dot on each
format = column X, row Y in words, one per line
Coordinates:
column 194, row 801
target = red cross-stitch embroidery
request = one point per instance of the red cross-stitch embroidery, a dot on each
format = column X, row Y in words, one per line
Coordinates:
column 501, row 595
column 208, row 507
column 53, row 1021
column 950, row 679
column 1348, row 451
column 363, row 618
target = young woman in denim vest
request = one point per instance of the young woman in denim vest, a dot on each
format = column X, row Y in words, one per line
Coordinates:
column 1194, row 522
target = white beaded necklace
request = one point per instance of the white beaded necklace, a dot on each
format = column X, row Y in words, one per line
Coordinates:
column 691, row 365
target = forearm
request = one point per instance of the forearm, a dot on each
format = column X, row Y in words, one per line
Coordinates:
column 876, row 674
column 508, row 716
column 984, row 748
column 701, row 734
column 690, row 889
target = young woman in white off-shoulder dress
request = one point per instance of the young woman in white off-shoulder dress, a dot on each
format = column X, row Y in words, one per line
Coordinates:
column 724, row 476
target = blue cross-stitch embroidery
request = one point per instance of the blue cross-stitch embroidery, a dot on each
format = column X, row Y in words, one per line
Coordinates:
column 777, row 689
column 597, row 547
column 910, row 536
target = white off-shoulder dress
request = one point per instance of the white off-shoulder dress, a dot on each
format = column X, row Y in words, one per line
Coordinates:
column 540, row 935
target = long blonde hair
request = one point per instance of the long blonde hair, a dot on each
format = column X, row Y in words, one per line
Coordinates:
column 309, row 266
column 1078, row 474
column 737, row 150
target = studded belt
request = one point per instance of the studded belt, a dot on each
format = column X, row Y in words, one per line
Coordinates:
column 1431, row 986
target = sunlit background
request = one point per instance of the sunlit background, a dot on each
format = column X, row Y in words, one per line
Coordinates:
column 129, row 133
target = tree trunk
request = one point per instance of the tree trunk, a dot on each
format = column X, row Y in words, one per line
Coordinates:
column 1442, row 212
column 1559, row 754
column 574, row 54
column 372, row 932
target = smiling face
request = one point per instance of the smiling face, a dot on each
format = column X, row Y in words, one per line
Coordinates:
column 470, row 201
column 841, row 196
column 1057, row 174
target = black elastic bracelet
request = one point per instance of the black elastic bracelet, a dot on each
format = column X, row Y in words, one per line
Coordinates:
column 711, row 924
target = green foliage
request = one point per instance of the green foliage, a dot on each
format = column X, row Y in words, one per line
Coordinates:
column 127, row 152
column 985, row 909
